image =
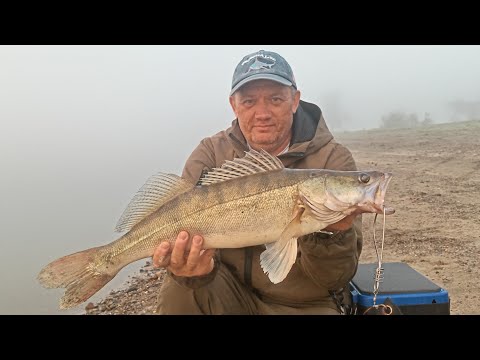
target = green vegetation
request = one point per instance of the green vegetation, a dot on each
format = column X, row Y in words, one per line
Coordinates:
column 398, row 119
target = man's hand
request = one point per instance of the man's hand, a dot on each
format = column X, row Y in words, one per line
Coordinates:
column 180, row 261
column 342, row 225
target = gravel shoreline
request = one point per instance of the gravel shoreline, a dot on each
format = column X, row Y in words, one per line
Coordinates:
column 137, row 296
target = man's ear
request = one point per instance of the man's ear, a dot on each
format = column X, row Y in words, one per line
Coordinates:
column 233, row 104
column 296, row 101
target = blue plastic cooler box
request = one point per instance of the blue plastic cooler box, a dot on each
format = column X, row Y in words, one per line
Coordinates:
column 412, row 292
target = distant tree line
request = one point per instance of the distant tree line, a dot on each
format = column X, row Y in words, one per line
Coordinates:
column 400, row 119
column 464, row 110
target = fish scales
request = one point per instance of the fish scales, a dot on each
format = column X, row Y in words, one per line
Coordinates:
column 266, row 197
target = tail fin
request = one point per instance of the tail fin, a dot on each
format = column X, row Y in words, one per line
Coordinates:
column 76, row 273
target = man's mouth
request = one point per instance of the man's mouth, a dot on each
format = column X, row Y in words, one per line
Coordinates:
column 263, row 127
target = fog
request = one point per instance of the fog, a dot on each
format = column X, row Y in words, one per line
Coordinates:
column 83, row 127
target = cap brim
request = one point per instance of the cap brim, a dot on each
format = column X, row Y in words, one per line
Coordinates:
column 272, row 77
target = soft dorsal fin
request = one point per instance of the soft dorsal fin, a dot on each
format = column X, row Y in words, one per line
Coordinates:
column 158, row 189
column 253, row 162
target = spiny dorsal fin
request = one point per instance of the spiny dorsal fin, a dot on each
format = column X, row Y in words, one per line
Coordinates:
column 158, row 189
column 253, row 162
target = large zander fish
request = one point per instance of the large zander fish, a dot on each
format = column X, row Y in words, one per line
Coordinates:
column 248, row 201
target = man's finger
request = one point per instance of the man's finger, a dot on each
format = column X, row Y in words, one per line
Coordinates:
column 342, row 225
column 165, row 261
column 160, row 254
column 178, row 253
column 194, row 256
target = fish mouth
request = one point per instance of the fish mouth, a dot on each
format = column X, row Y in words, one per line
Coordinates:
column 375, row 197
column 379, row 197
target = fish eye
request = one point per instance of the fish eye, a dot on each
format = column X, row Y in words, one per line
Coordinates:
column 364, row 178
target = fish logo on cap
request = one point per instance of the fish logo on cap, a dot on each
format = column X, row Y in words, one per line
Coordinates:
column 260, row 61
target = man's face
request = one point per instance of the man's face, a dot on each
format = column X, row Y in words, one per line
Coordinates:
column 265, row 111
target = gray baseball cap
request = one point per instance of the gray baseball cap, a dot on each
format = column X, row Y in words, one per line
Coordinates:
column 265, row 65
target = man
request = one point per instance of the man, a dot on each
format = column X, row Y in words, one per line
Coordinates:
column 270, row 116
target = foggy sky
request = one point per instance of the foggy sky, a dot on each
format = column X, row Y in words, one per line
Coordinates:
column 83, row 127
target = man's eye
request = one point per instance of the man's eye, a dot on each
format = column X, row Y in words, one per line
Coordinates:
column 276, row 100
column 248, row 102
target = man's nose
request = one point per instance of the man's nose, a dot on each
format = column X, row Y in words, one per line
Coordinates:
column 262, row 111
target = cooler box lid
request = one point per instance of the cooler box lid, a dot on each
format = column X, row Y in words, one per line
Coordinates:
column 399, row 278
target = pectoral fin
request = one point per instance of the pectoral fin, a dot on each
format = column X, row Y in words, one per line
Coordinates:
column 279, row 257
